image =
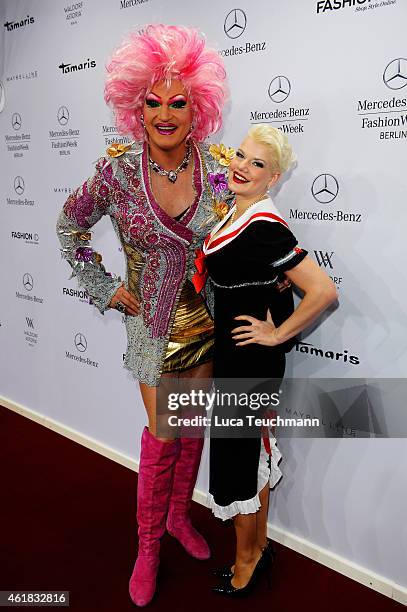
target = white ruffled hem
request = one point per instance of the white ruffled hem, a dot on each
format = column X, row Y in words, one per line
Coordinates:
column 265, row 474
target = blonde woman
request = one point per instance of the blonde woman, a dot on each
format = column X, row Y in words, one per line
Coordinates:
column 255, row 325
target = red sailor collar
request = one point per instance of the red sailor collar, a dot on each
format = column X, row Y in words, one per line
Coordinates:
column 262, row 211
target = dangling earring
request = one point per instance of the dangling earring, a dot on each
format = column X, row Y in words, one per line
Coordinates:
column 191, row 129
column 143, row 125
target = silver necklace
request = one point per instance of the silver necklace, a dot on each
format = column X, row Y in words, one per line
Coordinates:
column 233, row 215
column 171, row 175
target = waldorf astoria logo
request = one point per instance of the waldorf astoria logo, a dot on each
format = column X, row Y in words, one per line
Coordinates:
column 234, row 26
column 84, row 65
column 325, row 260
column 110, row 135
column 322, row 353
column 73, row 12
column 289, row 119
column 386, row 117
column 28, row 287
column 324, row 189
column 81, row 344
column 18, row 141
column 64, row 139
column 30, row 335
column 16, row 25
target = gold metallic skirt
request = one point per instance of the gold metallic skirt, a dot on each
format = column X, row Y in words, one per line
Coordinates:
column 191, row 339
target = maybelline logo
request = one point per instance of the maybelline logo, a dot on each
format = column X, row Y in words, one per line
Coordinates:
column 73, row 12
column 31, row 337
column 19, row 188
column 234, row 27
column 15, row 25
column 28, row 237
column 359, row 5
column 81, row 295
column 325, row 260
column 64, row 140
column 129, row 3
column 325, row 189
column 65, row 190
column 290, row 118
column 20, row 76
column 310, row 349
column 68, row 68
column 81, row 345
column 110, row 135
column 28, row 284
column 18, row 142
column 387, row 109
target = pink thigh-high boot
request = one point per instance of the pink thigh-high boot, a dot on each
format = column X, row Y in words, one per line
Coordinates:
column 178, row 521
column 155, row 476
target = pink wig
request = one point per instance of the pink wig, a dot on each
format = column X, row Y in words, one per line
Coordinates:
column 162, row 53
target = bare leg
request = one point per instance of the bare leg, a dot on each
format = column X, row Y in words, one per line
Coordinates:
column 248, row 551
column 261, row 517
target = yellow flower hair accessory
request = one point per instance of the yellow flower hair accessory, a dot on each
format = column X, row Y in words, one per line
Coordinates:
column 117, row 149
column 222, row 154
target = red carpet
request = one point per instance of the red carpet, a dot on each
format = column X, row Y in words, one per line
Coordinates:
column 68, row 523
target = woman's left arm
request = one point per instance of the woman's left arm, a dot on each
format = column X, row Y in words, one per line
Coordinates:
column 319, row 293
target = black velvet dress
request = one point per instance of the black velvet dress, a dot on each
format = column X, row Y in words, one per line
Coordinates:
column 244, row 263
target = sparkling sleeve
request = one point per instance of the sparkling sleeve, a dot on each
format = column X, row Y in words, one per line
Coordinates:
column 83, row 208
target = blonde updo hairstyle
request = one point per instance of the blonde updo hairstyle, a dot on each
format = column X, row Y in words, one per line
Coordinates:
column 281, row 155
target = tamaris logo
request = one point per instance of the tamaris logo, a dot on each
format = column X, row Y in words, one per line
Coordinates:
column 68, row 68
column 15, row 25
column 310, row 349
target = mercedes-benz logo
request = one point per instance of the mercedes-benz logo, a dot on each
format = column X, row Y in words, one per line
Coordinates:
column 2, row 96
column 28, row 281
column 63, row 115
column 16, row 121
column 325, row 188
column 279, row 89
column 80, row 342
column 235, row 23
column 395, row 73
column 19, row 185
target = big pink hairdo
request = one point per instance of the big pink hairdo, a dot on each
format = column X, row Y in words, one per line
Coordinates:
column 163, row 53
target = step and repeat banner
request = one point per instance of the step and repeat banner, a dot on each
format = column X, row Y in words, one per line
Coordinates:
column 331, row 74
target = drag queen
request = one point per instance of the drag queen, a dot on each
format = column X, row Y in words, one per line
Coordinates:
column 167, row 90
column 254, row 328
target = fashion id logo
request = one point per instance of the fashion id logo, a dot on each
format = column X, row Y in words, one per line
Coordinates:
column 289, row 119
column 28, row 237
column 81, row 294
column 234, row 27
column 64, row 139
column 81, row 345
column 323, row 6
column 17, row 142
column 324, row 190
column 28, row 286
column 390, row 122
column 16, row 25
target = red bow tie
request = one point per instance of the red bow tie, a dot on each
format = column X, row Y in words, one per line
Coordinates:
column 200, row 276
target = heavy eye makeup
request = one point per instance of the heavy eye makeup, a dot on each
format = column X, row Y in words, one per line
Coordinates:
column 256, row 162
column 152, row 101
column 177, row 102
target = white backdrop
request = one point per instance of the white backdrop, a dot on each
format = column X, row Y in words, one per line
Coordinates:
column 336, row 80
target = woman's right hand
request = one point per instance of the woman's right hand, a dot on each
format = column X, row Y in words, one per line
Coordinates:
column 128, row 299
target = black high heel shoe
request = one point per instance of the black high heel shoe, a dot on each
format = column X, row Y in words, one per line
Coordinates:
column 228, row 590
column 225, row 572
